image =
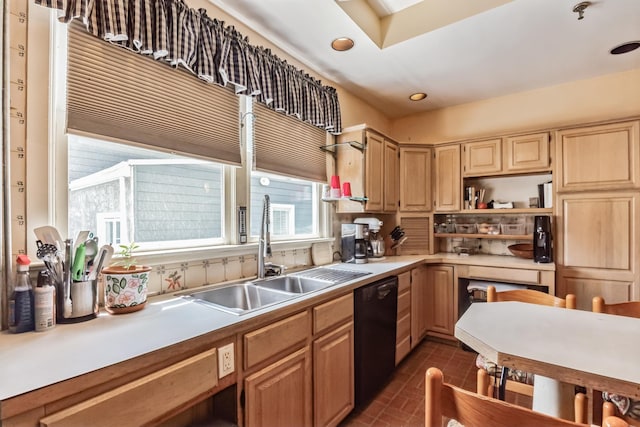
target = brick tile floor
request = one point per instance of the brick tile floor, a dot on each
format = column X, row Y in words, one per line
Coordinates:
column 401, row 402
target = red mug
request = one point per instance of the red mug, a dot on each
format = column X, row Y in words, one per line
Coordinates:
column 346, row 189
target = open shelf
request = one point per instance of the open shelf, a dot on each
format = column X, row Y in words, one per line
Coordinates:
column 500, row 211
column 331, row 148
column 486, row 236
column 337, row 199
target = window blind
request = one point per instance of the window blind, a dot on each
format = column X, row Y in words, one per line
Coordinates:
column 115, row 93
column 287, row 146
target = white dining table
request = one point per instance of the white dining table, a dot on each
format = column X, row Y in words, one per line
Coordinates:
column 598, row 351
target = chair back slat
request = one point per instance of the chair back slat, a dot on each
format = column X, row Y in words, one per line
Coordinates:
column 629, row 309
column 474, row 410
column 530, row 296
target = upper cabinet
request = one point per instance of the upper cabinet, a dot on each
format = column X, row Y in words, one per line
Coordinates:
column 369, row 161
column 601, row 157
column 508, row 155
column 415, row 179
column 447, row 178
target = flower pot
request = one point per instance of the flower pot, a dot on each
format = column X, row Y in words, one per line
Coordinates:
column 125, row 290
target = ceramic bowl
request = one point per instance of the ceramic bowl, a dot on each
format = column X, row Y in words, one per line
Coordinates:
column 522, row 250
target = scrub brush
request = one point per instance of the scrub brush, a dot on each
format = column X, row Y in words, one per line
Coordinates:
column 67, row 279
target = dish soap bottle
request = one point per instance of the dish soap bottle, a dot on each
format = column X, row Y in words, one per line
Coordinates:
column 21, row 317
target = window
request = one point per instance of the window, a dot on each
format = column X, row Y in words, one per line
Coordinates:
column 294, row 206
column 126, row 193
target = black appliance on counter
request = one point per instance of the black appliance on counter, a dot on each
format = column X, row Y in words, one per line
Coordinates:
column 375, row 312
column 355, row 243
column 542, row 250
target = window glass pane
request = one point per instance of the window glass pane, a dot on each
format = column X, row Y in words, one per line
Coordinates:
column 124, row 193
column 294, row 206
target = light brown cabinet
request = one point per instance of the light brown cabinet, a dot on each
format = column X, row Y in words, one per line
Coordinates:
column 508, row 155
column 482, row 157
column 333, row 363
column 447, row 178
column 440, row 309
column 280, row 394
column 136, row 403
column 363, row 164
column 598, row 211
column 599, row 157
column 403, row 323
column 419, row 304
column 598, row 251
column 415, row 179
column 390, row 173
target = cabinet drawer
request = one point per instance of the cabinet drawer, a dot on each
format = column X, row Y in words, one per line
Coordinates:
column 511, row 275
column 403, row 328
column 263, row 343
column 404, row 303
column 404, row 282
column 332, row 313
column 143, row 400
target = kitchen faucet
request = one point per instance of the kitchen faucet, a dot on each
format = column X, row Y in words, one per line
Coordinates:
column 264, row 244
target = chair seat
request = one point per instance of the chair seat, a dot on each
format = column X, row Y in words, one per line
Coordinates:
column 627, row 406
column 495, row 371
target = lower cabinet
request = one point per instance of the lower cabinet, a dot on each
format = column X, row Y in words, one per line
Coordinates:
column 403, row 320
column 333, row 374
column 333, row 364
column 419, row 304
column 146, row 400
column 280, row 394
column 441, row 315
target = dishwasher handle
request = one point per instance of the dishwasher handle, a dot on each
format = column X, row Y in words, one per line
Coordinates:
column 384, row 290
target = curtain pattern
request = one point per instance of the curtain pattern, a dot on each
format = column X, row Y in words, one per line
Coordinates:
column 170, row 31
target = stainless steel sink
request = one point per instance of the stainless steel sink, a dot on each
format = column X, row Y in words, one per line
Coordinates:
column 241, row 298
column 295, row 284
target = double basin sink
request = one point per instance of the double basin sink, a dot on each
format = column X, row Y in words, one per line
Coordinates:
column 241, row 298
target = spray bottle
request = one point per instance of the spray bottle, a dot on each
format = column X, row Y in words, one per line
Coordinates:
column 21, row 314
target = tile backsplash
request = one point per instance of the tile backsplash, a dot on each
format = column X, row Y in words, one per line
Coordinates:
column 173, row 277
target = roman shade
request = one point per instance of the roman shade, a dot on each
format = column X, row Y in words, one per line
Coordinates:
column 115, row 93
column 287, row 146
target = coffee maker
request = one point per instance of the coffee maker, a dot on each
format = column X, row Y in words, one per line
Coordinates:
column 542, row 239
column 355, row 243
column 375, row 242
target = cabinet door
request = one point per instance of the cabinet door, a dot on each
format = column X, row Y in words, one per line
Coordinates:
column 527, row 153
column 390, row 176
column 419, row 305
column 585, row 288
column 482, row 157
column 441, row 289
column 280, row 394
column 333, row 374
column 374, row 172
column 403, row 321
column 599, row 157
column 415, row 179
column 447, row 176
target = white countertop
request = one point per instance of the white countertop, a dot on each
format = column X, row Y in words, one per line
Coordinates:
column 33, row 360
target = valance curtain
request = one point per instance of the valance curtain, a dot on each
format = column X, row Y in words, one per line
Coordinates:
column 170, row 31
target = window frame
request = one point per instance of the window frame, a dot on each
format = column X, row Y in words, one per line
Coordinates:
column 237, row 180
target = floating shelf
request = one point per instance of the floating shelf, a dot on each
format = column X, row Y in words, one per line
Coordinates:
column 486, row 236
column 331, row 149
column 499, row 211
column 338, row 199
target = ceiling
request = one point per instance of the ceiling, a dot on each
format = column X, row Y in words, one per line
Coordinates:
column 457, row 51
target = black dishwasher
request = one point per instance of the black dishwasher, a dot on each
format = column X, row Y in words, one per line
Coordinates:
column 375, row 312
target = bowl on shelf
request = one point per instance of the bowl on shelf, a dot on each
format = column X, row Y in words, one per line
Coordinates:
column 522, row 250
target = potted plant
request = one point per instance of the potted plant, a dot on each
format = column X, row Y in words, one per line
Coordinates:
column 125, row 283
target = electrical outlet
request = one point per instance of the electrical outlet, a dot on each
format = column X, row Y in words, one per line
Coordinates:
column 226, row 364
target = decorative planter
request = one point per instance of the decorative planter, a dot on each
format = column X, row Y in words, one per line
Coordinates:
column 125, row 290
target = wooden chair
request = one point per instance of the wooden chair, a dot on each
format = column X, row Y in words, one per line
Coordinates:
column 532, row 297
column 475, row 410
column 629, row 309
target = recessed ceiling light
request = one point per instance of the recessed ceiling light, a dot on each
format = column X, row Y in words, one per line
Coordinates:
column 624, row 48
column 342, row 43
column 418, row 96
